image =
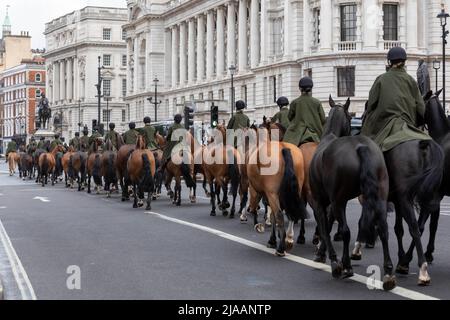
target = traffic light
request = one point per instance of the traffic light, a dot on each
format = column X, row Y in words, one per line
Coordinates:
column 188, row 117
column 214, row 116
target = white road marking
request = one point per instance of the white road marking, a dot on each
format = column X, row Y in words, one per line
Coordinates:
column 402, row 292
column 20, row 275
column 43, row 199
column 2, row 208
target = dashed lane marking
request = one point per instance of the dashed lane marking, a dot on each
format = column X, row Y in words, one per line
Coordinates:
column 402, row 292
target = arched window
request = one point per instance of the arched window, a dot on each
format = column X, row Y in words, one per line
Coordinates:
column 38, row 77
column 38, row 93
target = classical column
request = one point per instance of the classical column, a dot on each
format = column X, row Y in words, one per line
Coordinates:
column 55, row 76
column 69, row 91
column 210, row 45
column 174, row 56
column 287, row 28
column 136, row 65
column 254, row 34
column 306, row 28
column 191, row 52
column 183, row 60
column 264, row 31
column 243, row 47
column 231, row 34
column 370, row 33
column 200, row 48
column 326, row 21
column 220, row 52
column 411, row 24
column 62, row 81
column 76, row 80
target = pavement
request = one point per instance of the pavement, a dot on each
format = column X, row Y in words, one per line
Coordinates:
column 63, row 244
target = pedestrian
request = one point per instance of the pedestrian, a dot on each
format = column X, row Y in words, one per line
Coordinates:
column 149, row 133
column 282, row 117
column 130, row 137
column 306, row 116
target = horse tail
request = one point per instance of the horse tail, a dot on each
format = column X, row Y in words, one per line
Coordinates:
column 44, row 164
column 290, row 198
column 234, row 175
column 82, row 166
column 186, row 172
column 71, row 171
column 370, row 191
column 431, row 179
column 96, row 171
column 147, row 181
column 111, row 169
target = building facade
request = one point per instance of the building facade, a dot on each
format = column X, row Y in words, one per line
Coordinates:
column 74, row 43
column 342, row 44
column 20, row 93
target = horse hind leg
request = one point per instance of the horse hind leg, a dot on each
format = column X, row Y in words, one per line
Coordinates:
column 339, row 212
column 301, row 238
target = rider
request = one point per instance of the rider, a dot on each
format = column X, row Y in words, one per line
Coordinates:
column 84, row 141
column 282, row 117
column 43, row 104
column 149, row 133
column 395, row 108
column 95, row 135
column 172, row 144
column 306, row 117
column 113, row 136
column 41, row 144
column 32, row 146
column 56, row 142
column 75, row 142
column 130, row 137
column 239, row 120
column 12, row 147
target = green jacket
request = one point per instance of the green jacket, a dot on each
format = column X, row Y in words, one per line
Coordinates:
column 282, row 117
column 55, row 143
column 75, row 142
column 114, row 137
column 130, row 137
column 239, row 121
column 395, row 105
column 31, row 146
column 84, row 144
column 12, row 147
column 149, row 133
column 171, row 144
column 41, row 145
column 307, row 119
column 92, row 140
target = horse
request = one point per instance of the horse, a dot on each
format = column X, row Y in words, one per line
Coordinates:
column 342, row 169
column 26, row 166
column 121, row 167
column 184, row 169
column 439, row 129
column 68, row 167
column 78, row 167
column 141, row 169
column 220, row 173
column 158, row 154
column 47, row 165
column 108, row 165
column 94, row 167
column 13, row 162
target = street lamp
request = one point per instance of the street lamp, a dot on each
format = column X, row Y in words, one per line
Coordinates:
column 79, row 116
column 232, row 73
column 442, row 16
column 156, row 103
column 107, row 98
column 436, row 67
column 99, row 88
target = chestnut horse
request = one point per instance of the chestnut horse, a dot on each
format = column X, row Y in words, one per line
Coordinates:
column 26, row 166
column 78, row 168
column 108, row 165
column 94, row 167
column 68, row 170
column 47, row 165
column 141, row 170
column 121, row 168
column 13, row 161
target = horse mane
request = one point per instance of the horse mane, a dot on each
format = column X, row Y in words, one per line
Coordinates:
column 338, row 122
column 140, row 144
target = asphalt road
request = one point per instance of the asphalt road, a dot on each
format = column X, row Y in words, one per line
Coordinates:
column 172, row 253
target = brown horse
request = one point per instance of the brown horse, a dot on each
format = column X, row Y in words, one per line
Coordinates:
column 47, row 165
column 108, row 165
column 78, row 165
column 94, row 167
column 122, row 171
column 280, row 181
column 141, row 170
column 25, row 166
column 13, row 161
column 68, row 171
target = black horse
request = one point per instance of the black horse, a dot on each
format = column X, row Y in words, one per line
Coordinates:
column 439, row 129
column 45, row 114
column 342, row 169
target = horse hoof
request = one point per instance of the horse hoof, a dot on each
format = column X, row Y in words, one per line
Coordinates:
column 243, row 220
column 213, row 214
column 148, row 208
column 301, row 240
column 348, row 273
column 389, row 283
column 402, row 270
column 320, row 259
column 356, row 257
column 337, row 237
column 225, row 213
column 429, row 257
column 289, row 245
column 336, row 269
column 123, row 199
column 280, row 254
column 272, row 245
column 178, row 204
column 231, row 216
column 316, row 240
column 193, row 201
column 135, row 206
column 260, row 228
column 370, row 245
column 424, row 282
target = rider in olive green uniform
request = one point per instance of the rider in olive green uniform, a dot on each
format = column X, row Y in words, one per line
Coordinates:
column 306, row 117
column 395, row 107
column 149, row 133
column 282, row 117
column 239, row 120
column 113, row 136
column 84, row 141
column 130, row 137
column 172, row 144
column 75, row 142
column 12, row 147
column 93, row 138
column 56, row 142
column 41, row 144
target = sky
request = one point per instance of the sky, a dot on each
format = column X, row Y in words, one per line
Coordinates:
column 31, row 15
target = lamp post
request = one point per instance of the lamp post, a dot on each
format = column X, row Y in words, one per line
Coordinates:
column 99, row 88
column 79, row 116
column 107, row 98
column 156, row 102
column 436, row 67
column 442, row 16
column 232, row 73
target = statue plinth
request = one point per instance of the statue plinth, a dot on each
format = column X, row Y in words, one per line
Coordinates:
column 44, row 133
